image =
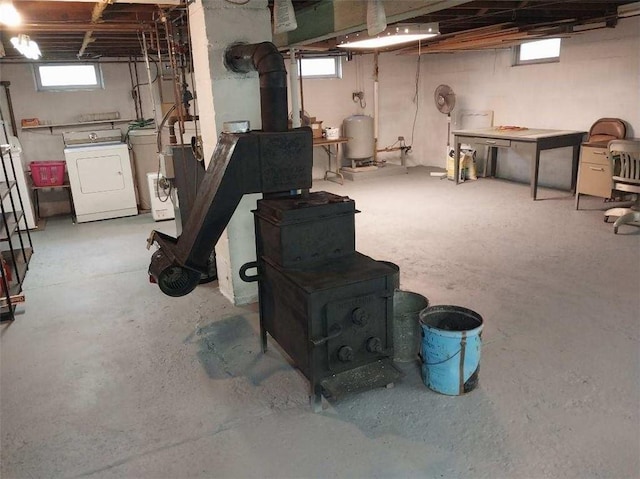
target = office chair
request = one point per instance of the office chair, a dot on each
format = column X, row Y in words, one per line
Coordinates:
column 607, row 129
column 625, row 158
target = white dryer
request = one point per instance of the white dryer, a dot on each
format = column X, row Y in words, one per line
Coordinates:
column 99, row 169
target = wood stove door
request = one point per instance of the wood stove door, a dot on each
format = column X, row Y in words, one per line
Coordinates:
column 363, row 338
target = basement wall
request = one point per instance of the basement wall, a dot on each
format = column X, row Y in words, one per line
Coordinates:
column 59, row 107
column 598, row 76
column 67, row 106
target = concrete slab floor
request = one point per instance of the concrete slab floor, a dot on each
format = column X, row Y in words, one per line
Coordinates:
column 103, row 376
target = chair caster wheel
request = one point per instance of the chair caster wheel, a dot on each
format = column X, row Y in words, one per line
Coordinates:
column 606, row 219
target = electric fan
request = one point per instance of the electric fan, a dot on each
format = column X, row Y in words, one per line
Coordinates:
column 445, row 102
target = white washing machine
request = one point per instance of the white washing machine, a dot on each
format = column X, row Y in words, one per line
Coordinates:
column 99, row 169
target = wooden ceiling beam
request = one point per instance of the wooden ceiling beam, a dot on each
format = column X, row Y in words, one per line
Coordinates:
column 84, row 26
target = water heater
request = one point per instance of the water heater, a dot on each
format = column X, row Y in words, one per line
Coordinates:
column 359, row 130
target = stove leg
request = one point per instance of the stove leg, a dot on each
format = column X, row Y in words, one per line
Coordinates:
column 263, row 339
column 315, row 399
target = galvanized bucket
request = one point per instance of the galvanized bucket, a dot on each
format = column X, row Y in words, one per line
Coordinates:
column 406, row 324
column 451, row 341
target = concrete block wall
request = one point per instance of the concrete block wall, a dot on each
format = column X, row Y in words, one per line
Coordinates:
column 598, row 75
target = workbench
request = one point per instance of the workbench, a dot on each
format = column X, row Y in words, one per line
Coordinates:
column 528, row 142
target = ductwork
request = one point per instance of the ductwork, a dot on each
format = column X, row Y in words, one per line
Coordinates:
column 274, row 162
column 268, row 62
column 173, row 138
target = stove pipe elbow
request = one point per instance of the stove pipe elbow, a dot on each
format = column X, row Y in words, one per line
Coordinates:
column 268, row 62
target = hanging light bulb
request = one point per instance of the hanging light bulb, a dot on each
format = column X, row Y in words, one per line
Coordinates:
column 9, row 16
column 26, row 46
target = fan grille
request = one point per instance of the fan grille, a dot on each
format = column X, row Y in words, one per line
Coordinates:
column 444, row 98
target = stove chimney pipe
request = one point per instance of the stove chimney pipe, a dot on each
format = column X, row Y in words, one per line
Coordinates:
column 268, row 62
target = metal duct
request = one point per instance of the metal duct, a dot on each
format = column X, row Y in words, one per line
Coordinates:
column 268, row 62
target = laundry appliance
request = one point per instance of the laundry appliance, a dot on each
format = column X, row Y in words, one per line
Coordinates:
column 100, row 175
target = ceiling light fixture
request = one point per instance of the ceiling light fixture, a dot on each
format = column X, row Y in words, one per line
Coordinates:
column 393, row 35
column 26, row 46
column 9, row 16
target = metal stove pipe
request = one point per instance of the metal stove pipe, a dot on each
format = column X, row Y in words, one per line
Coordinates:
column 254, row 162
column 268, row 62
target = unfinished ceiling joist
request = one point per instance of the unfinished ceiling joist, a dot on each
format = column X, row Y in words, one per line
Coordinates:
column 471, row 24
column 83, row 27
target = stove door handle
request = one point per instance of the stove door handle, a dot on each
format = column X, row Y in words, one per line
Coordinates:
column 334, row 332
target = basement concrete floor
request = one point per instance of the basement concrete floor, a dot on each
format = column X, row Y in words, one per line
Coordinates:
column 103, row 376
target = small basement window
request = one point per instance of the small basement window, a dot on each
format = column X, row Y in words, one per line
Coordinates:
column 68, row 76
column 321, row 67
column 539, row 51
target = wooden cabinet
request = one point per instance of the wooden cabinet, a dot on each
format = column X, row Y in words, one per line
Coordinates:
column 594, row 173
column 15, row 241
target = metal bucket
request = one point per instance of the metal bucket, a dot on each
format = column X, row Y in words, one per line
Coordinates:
column 451, row 341
column 406, row 324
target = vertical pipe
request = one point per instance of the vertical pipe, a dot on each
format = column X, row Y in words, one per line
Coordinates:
column 133, row 92
column 12, row 117
column 295, row 91
column 375, row 106
column 174, row 71
column 268, row 62
column 301, row 90
column 135, row 71
column 146, row 62
column 160, row 66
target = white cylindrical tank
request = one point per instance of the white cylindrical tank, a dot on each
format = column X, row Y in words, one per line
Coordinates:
column 359, row 130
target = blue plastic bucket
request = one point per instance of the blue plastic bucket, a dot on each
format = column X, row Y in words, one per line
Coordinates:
column 450, row 349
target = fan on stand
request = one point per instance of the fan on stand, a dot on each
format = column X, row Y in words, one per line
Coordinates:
column 445, row 101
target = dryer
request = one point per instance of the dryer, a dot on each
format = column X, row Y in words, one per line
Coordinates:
column 100, row 175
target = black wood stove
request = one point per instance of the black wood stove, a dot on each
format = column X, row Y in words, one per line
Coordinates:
column 329, row 307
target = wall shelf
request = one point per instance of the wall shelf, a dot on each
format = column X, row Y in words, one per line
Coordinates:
column 11, row 220
column 5, row 188
column 15, row 285
column 79, row 123
column 16, row 247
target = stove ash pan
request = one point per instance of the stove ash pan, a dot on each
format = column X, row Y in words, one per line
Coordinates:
column 302, row 230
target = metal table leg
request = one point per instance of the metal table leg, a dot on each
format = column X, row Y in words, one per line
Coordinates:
column 335, row 172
